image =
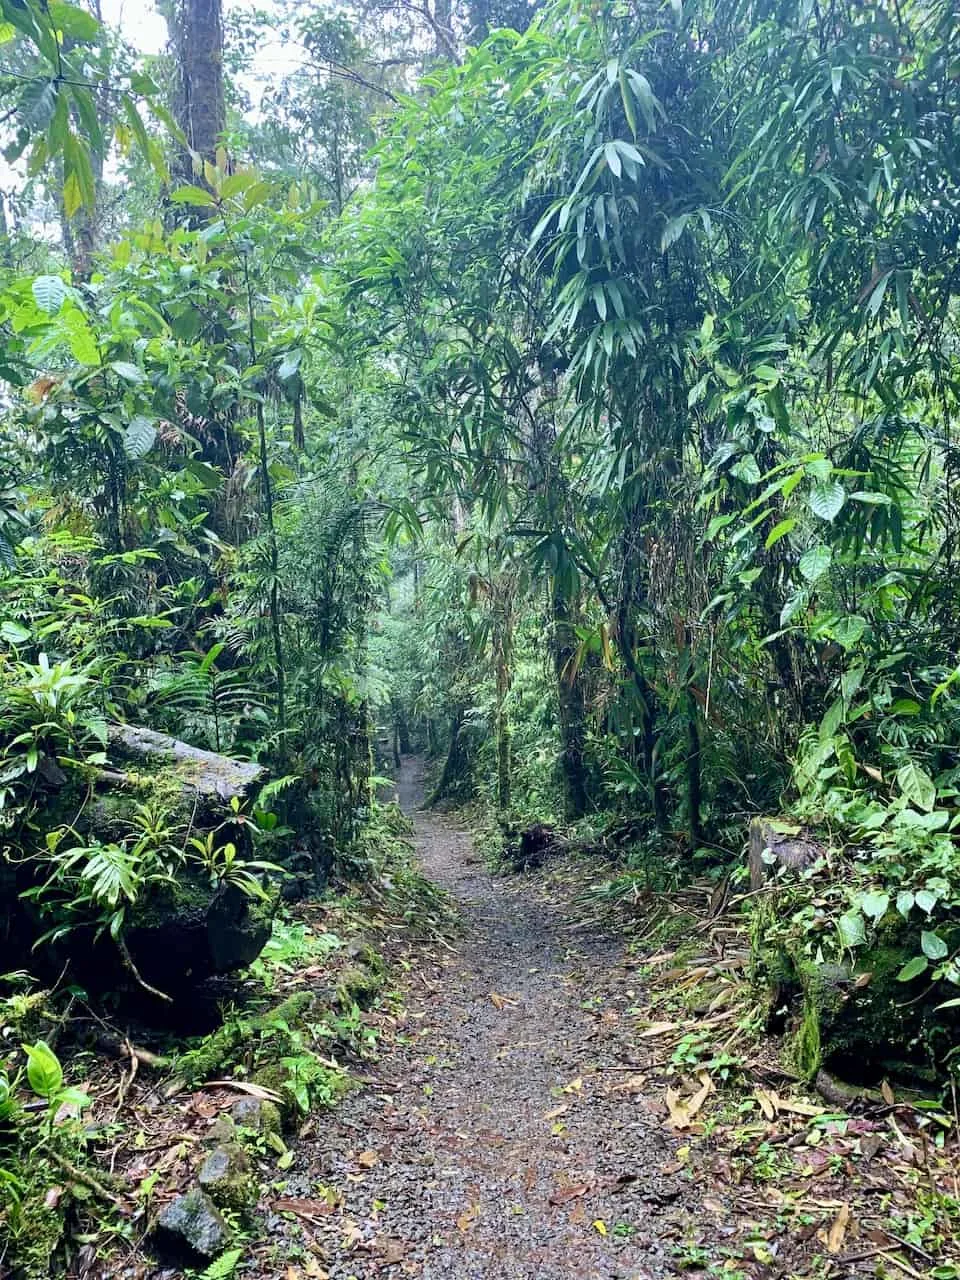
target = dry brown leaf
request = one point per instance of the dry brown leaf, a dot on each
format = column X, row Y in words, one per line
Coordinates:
column 500, row 1002
column 367, row 1159
column 768, row 1102
column 565, row 1194
column 468, row 1218
column 657, row 1029
column 393, row 1251
column 304, row 1207
column 632, row 1084
column 888, row 1095
column 557, row 1111
column 838, row 1230
column 242, row 1086
column 800, row 1108
column 682, row 1110
column 313, row 1270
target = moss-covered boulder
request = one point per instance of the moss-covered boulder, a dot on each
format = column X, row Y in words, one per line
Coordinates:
column 158, row 799
column 227, row 1178
column 854, row 1016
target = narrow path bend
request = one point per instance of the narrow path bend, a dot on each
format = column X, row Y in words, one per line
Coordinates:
column 505, row 1141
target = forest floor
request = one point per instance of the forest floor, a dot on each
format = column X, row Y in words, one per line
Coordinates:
column 560, row 1099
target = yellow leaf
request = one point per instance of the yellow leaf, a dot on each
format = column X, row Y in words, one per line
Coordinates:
column 657, row 1029
column 838, row 1231
column 767, row 1103
column 682, row 1110
column 600, row 1227
column 72, row 195
column 468, row 1217
column 800, row 1108
column 574, row 1086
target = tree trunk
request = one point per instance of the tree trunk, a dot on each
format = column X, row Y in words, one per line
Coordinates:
column 199, row 108
column 571, row 706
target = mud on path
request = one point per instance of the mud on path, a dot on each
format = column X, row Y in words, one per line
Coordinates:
column 500, row 1141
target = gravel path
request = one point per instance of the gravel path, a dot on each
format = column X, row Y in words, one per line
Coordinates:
column 505, row 1141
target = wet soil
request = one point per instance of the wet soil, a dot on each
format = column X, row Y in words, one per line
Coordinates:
column 503, row 1140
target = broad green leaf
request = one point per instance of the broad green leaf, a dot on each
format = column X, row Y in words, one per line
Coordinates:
column 78, row 25
column 918, row 787
column 747, row 470
column 827, row 499
column 44, row 1072
column 49, row 293
column 195, row 196
column 128, row 372
column 926, row 900
column 851, row 928
column 913, row 969
column 139, row 438
column 848, row 632
column 815, row 562
column 779, row 530
column 932, row 945
column 905, row 902
column 874, row 905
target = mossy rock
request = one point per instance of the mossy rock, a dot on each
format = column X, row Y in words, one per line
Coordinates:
column 227, row 1178
column 358, row 987
column 240, row 1040
column 855, row 1018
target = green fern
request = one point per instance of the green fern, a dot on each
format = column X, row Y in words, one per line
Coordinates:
column 223, row 1268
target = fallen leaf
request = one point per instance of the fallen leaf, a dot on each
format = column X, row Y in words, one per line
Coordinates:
column 800, row 1108
column 600, row 1227
column 557, row 1111
column 838, row 1231
column 303, row 1207
column 367, row 1159
column 469, row 1216
column 657, row 1029
column 683, row 1110
column 564, row 1195
column 767, row 1103
column 887, row 1093
column 574, row 1086
column 500, row 1002
column 393, row 1251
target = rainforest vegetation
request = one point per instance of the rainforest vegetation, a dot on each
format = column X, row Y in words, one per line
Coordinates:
column 561, row 393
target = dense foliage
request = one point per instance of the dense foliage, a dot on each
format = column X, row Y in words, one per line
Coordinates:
column 573, row 405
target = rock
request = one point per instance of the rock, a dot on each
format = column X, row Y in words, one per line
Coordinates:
column 180, row 930
column 257, row 1114
column 191, row 1226
column 222, row 1130
column 203, row 773
column 225, row 1176
column 358, row 987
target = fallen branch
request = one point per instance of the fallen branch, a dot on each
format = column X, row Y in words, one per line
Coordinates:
column 85, row 1179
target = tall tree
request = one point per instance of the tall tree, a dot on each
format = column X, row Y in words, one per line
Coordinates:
column 199, row 105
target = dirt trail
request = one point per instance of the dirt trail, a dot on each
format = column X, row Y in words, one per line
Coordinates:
column 502, row 1142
